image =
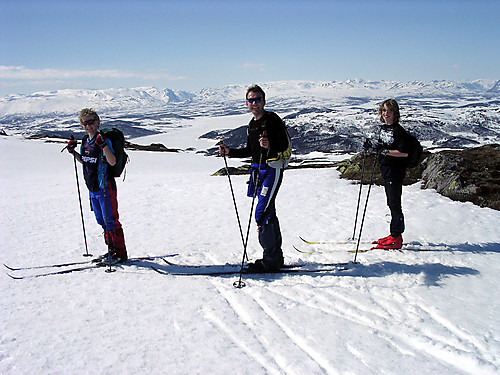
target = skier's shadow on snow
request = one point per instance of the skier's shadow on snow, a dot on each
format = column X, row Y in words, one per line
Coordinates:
column 432, row 273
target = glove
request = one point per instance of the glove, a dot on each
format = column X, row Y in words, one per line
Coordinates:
column 100, row 140
column 223, row 149
column 377, row 147
column 72, row 145
column 368, row 146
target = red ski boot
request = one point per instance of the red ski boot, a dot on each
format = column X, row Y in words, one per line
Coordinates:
column 390, row 243
column 382, row 240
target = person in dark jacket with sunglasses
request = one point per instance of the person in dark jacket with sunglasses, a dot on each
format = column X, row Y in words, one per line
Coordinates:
column 266, row 139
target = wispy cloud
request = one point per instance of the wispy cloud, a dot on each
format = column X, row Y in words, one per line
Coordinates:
column 260, row 67
column 24, row 73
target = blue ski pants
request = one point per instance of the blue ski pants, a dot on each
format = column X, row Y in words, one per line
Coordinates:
column 270, row 239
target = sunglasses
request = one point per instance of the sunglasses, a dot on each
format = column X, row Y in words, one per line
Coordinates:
column 256, row 100
column 88, row 122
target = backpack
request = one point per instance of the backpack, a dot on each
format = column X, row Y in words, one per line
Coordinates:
column 282, row 160
column 118, row 141
column 414, row 151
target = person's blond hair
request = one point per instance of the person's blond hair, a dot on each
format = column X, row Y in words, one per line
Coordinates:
column 88, row 112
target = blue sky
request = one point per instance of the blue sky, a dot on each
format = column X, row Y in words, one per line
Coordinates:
column 195, row 44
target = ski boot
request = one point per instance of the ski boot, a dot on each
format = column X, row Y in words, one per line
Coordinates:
column 390, row 243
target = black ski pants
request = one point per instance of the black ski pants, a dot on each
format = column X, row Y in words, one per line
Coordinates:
column 270, row 240
column 393, row 192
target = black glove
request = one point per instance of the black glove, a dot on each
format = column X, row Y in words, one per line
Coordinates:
column 368, row 146
column 71, row 146
column 100, row 140
column 377, row 147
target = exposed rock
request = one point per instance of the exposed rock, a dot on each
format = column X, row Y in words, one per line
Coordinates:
column 157, row 147
column 233, row 171
column 352, row 169
column 296, row 164
column 471, row 175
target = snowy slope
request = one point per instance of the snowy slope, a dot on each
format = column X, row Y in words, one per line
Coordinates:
column 409, row 312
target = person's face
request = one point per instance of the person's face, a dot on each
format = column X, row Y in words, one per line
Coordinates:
column 90, row 124
column 387, row 115
column 255, row 104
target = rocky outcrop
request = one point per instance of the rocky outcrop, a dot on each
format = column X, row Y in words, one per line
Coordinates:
column 352, row 169
column 471, row 175
column 157, row 147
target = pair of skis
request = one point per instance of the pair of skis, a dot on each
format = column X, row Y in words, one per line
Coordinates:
column 234, row 269
column 70, row 267
column 317, row 247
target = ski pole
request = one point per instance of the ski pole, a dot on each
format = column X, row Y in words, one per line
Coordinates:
column 240, row 284
column 234, row 200
column 80, row 201
column 107, row 235
column 359, row 195
column 366, row 205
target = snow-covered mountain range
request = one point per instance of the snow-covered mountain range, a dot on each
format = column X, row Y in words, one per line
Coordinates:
column 334, row 115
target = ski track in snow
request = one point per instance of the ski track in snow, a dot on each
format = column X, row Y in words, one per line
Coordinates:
column 265, row 324
column 451, row 346
column 399, row 328
column 272, row 360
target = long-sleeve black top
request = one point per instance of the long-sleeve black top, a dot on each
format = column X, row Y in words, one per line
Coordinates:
column 393, row 137
column 275, row 130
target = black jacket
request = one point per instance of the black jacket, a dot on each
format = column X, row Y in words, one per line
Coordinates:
column 275, row 129
column 393, row 137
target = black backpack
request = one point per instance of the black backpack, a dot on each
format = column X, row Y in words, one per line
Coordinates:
column 118, row 141
column 414, row 151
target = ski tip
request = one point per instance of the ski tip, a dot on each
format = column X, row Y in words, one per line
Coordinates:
column 10, row 268
column 168, row 262
column 306, row 241
column 14, row 277
column 303, row 251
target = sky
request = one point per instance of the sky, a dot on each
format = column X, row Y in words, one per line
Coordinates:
column 193, row 44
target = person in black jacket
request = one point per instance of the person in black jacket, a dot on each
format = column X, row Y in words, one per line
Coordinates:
column 392, row 153
column 266, row 138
